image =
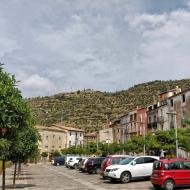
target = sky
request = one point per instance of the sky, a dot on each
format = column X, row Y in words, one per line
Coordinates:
column 55, row 46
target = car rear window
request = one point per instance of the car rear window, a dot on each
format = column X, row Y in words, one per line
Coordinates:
column 157, row 165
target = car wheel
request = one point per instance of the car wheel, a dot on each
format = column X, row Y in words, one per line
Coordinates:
column 98, row 171
column 125, row 177
column 157, row 187
column 169, row 184
column 75, row 166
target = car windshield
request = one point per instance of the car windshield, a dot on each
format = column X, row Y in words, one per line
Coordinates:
column 126, row 161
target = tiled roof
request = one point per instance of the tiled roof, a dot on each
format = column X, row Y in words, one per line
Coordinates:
column 68, row 128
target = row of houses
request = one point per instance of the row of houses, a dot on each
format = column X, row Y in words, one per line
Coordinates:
column 172, row 110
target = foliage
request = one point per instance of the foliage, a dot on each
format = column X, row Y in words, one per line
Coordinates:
column 56, row 153
column 90, row 110
column 44, row 154
column 153, row 142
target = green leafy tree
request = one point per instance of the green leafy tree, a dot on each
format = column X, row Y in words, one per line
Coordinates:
column 13, row 115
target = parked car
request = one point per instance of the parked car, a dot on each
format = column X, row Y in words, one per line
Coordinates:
column 171, row 173
column 58, row 161
column 73, row 161
column 68, row 158
column 81, row 164
column 131, row 168
column 111, row 160
column 93, row 165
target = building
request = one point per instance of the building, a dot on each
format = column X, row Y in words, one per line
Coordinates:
column 141, row 126
column 52, row 138
column 75, row 137
column 179, row 104
column 106, row 135
column 91, row 137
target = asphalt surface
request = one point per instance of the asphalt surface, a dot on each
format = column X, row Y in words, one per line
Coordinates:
column 48, row 177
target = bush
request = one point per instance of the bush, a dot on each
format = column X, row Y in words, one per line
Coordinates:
column 44, row 154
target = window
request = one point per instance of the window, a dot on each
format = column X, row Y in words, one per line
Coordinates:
column 80, row 134
column 187, row 165
column 140, row 160
column 149, row 120
column 183, row 97
column 70, row 133
column 59, row 138
column 157, row 165
column 171, row 103
column 155, row 118
column 46, row 137
column 115, row 160
column 69, row 143
column 53, row 136
column 176, row 166
column 149, row 160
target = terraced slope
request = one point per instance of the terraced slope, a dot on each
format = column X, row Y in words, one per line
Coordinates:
column 90, row 110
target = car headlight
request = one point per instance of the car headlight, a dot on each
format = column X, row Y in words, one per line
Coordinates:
column 113, row 170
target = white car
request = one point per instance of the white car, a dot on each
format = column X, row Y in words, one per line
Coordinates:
column 132, row 167
column 73, row 161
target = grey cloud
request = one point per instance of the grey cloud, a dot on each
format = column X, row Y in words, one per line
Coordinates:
column 105, row 45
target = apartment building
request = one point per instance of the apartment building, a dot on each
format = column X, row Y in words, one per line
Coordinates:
column 179, row 104
column 91, row 137
column 106, row 135
column 52, row 138
column 75, row 137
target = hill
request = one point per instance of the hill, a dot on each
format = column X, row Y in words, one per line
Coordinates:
column 90, row 110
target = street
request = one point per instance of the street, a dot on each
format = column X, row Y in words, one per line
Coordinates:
column 48, row 177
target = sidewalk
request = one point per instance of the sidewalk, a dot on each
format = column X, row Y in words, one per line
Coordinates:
column 21, row 183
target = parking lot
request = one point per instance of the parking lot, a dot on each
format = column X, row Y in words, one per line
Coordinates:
column 48, row 177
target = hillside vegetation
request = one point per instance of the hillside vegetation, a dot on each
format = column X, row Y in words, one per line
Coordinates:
column 90, row 110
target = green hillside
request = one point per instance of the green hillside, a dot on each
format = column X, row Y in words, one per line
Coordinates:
column 90, row 110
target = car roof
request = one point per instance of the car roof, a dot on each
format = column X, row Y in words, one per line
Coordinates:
column 113, row 156
column 174, row 160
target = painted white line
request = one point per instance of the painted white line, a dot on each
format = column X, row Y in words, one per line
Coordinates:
column 83, row 182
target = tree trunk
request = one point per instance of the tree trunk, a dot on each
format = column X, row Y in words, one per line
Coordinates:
column 19, row 170
column 14, row 178
column 3, row 175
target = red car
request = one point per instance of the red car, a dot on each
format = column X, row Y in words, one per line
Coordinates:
column 111, row 160
column 171, row 173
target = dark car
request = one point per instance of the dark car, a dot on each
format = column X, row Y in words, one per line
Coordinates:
column 171, row 173
column 93, row 165
column 58, row 161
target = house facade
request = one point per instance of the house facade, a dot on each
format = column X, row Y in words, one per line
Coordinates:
column 75, row 137
column 179, row 104
column 106, row 135
column 52, row 138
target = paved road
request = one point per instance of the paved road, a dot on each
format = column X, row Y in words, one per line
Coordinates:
column 47, row 177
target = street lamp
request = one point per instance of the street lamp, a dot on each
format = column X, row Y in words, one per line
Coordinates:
column 175, row 126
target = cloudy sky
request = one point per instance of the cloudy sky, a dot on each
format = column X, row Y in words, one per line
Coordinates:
column 57, row 46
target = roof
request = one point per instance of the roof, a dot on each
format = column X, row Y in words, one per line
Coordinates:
column 91, row 134
column 179, row 93
column 68, row 128
column 52, row 128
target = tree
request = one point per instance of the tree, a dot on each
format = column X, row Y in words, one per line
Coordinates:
column 14, row 116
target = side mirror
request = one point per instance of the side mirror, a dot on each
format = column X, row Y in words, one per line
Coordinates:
column 134, row 163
